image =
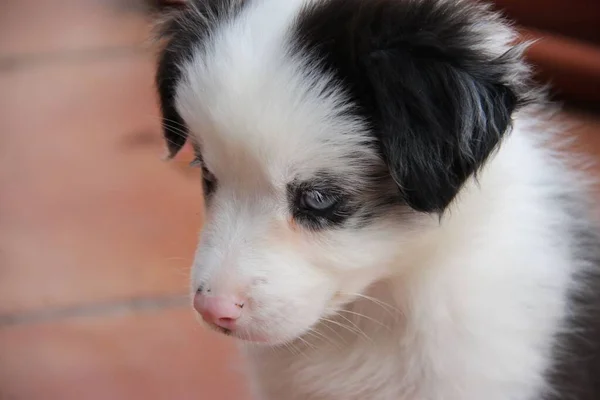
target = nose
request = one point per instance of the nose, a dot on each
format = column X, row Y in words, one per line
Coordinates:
column 222, row 311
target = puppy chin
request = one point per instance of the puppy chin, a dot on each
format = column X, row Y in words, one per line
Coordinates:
column 254, row 338
column 262, row 339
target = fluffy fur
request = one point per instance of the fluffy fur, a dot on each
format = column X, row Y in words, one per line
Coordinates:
column 457, row 261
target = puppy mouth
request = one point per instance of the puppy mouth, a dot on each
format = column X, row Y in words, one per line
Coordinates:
column 224, row 331
column 246, row 337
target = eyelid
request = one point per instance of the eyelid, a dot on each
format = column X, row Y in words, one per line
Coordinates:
column 322, row 195
column 327, row 202
column 329, row 193
column 196, row 163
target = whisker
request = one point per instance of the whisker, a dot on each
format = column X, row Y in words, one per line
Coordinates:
column 181, row 130
column 359, row 331
column 334, row 331
column 176, row 130
column 291, row 348
column 307, row 344
column 353, row 330
column 366, row 317
column 319, row 335
column 162, row 119
column 171, row 142
column 171, row 121
column 382, row 304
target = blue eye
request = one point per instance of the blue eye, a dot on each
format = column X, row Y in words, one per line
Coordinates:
column 317, row 201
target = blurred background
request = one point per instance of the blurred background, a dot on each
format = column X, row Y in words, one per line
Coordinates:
column 97, row 233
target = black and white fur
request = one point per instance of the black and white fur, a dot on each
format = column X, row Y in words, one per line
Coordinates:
column 456, row 260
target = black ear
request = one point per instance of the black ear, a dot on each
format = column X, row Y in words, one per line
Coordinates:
column 437, row 122
column 177, row 43
column 175, row 131
column 437, row 79
column 442, row 100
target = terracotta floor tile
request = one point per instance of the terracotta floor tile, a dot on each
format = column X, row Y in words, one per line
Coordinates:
column 39, row 28
column 88, row 210
column 152, row 356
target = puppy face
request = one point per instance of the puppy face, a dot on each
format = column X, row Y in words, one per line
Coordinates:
column 301, row 211
column 331, row 135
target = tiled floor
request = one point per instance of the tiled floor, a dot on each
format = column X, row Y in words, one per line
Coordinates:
column 96, row 233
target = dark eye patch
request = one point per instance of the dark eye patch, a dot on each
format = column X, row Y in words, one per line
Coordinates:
column 319, row 203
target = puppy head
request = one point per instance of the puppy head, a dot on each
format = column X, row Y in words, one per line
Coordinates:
column 331, row 135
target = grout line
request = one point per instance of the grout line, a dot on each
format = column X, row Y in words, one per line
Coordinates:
column 124, row 307
column 15, row 62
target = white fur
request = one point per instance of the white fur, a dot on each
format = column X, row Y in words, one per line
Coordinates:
column 458, row 309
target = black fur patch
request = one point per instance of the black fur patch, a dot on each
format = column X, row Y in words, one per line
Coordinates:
column 438, row 105
column 185, row 33
column 362, row 200
column 575, row 373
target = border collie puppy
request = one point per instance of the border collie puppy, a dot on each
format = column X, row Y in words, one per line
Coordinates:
column 385, row 219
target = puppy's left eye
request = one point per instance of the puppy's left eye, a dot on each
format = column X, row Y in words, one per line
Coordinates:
column 314, row 200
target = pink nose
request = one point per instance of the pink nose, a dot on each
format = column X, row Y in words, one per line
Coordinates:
column 219, row 310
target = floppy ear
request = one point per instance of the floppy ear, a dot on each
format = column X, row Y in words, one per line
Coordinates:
column 437, row 121
column 176, row 48
column 438, row 80
column 175, row 131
